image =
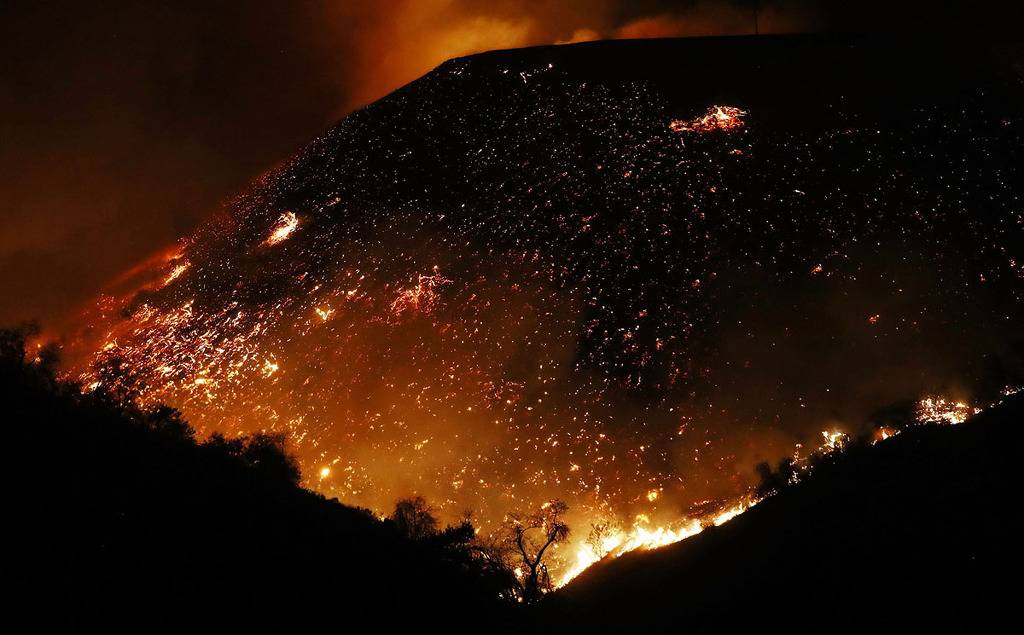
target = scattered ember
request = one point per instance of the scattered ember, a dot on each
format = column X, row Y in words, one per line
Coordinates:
column 617, row 344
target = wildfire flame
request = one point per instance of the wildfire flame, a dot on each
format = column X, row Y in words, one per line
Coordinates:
column 175, row 273
column 834, row 441
column 613, row 542
column 284, row 228
column 944, row 411
column 724, row 118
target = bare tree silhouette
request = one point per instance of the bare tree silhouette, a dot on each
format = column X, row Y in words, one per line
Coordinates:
column 532, row 534
column 414, row 518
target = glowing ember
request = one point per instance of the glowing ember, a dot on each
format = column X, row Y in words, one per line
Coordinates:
column 834, row 441
column 421, row 298
column 176, row 273
column 716, row 118
column 883, row 433
column 608, row 541
column 588, row 333
column 269, row 368
column 944, row 411
column 284, row 228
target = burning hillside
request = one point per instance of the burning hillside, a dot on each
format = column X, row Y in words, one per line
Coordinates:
column 510, row 282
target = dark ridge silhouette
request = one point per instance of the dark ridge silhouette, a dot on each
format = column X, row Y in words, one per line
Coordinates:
column 122, row 519
column 794, row 82
column 921, row 531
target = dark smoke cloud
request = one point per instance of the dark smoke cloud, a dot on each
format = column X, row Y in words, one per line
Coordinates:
column 122, row 124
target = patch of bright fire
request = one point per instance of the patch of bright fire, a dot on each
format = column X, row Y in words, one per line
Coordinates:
column 716, row 118
column 607, row 542
column 947, row 411
column 287, row 224
column 611, row 542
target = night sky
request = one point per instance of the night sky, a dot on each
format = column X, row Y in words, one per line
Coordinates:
column 123, row 124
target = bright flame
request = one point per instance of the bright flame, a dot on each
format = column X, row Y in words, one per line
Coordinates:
column 616, row 542
column 883, row 433
column 287, row 224
column 619, row 542
column 732, row 512
column 716, row 118
column 944, row 411
column 834, row 441
column 176, row 273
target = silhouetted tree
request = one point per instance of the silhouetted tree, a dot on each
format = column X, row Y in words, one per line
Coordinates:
column 772, row 481
column 169, row 422
column 117, row 381
column 597, row 535
column 532, row 534
column 494, row 559
column 414, row 518
column 47, row 359
column 266, row 453
column 12, row 343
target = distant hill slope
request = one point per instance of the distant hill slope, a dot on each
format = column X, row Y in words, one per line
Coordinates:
column 535, row 274
column 120, row 519
column 920, row 530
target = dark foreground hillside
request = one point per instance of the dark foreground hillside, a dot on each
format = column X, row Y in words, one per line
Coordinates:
column 921, row 530
column 121, row 519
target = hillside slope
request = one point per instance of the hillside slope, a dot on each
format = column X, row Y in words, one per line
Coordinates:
column 119, row 519
column 920, row 530
column 550, row 273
